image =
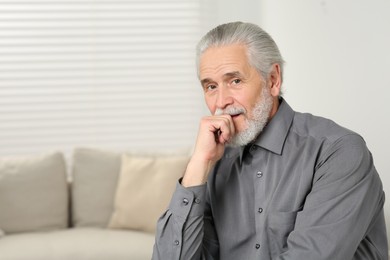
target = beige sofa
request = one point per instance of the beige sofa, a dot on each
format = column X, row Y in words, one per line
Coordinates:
column 107, row 211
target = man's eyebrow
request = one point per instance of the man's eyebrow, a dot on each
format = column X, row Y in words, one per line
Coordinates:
column 205, row 81
column 232, row 74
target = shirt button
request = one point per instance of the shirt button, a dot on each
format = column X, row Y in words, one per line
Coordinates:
column 259, row 174
column 257, row 246
column 177, row 242
column 185, row 201
column 260, row 210
column 197, row 201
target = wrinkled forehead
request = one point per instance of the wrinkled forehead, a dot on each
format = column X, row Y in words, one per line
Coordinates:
column 223, row 59
column 223, row 54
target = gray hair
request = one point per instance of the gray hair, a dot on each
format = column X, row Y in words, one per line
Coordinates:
column 262, row 50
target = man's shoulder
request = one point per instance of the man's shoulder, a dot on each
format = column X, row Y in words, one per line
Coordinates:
column 320, row 128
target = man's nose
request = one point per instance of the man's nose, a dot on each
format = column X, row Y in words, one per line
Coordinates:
column 224, row 98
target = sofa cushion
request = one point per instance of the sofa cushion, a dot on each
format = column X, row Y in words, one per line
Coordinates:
column 94, row 181
column 78, row 244
column 33, row 193
column 145, row 187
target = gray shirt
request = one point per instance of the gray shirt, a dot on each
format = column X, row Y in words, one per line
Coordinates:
column 306, row 189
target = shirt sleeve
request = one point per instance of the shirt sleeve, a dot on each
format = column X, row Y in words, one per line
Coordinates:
column 180, row 230
column 345, row 203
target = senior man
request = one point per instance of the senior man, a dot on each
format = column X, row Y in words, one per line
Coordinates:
column 266, row 182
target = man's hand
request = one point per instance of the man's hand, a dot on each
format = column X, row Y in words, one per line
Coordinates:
column 214, row 133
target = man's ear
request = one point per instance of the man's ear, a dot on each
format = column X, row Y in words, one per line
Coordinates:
column 275, row 80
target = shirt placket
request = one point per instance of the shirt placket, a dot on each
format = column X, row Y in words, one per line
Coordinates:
column 258, row 175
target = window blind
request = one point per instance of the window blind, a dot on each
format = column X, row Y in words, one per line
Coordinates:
column 107, row 74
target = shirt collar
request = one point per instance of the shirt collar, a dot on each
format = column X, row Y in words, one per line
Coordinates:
column 274, row 135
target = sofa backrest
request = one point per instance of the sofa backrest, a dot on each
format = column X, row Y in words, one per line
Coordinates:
column 106, row 189
column 94, row 180
column 33, row 193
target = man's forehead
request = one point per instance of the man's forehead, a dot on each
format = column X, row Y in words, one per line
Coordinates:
column 223, row 59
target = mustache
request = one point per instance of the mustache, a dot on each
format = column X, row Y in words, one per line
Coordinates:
column 230, row 111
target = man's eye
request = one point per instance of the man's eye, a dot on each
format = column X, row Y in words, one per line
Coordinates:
column 236, row 81
column 211, row 87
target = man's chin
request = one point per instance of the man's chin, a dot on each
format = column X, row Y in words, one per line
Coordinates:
column 240, row 139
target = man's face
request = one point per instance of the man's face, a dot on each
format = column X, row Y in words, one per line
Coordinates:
column 231, row 85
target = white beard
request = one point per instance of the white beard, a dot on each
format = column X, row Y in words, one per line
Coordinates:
column 261, row 113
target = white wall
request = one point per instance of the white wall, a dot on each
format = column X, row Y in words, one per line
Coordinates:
column 337, row 62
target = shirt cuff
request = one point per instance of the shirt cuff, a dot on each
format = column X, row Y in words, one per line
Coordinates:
column 188, row 202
